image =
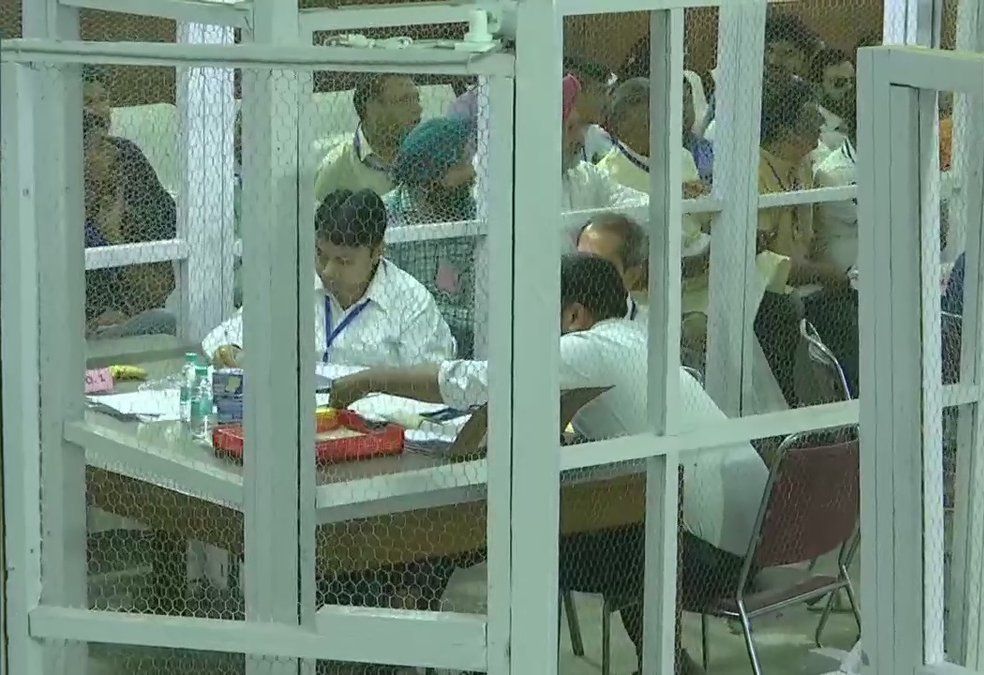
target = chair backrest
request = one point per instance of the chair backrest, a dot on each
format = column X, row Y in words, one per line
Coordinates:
column 811, row 504
column 819, row 377
column 471, row 440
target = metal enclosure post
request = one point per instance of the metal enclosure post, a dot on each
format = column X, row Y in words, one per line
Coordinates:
column 666, row 118
column 891, row 362
column 535, row 381
column 497, row 212
column 730, row 319
column 58, row 209
column 206, row 217
column 277, row 297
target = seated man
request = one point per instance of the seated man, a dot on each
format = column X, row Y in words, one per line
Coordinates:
column 388, row 106
column 367, row 310
column 586, row 186
column 125, row 203
column 435, row 179
column 433, row 174
column 722, row 489
column 625, row 244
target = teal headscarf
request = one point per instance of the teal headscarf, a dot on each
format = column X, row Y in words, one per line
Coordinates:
column 430, row 150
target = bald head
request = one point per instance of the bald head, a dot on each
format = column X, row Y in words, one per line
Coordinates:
column 620, row 240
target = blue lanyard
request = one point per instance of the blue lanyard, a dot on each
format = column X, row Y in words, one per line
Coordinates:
column 330, row 334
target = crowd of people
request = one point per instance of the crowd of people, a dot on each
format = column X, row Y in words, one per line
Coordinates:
column 404, row 310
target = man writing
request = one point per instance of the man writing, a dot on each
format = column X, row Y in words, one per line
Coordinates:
column 367, row 310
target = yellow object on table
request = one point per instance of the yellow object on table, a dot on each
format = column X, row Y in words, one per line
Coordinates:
column 128, row 373
column 325, row 415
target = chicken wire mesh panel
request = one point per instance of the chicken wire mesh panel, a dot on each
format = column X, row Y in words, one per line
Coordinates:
column 10, row 19
column 400, row 171
column 162, row 516
column 110, row 659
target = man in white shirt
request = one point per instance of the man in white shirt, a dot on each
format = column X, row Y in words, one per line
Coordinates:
column 368, row 311
column 585, row 186
column 601, row 347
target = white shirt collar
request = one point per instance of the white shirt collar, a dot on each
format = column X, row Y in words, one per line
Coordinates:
column 364, row 150
column 378, row 290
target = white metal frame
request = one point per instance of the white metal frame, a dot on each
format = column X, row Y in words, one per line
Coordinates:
column 901, row 409
column 281, row 503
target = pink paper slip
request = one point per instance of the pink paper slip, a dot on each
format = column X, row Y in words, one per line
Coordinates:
column 98, row 381
column 447, row 278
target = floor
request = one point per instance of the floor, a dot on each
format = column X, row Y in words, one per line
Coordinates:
column 784, row 640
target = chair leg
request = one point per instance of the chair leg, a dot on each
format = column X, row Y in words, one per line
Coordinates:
column 823, row 618
column 852, row 599
column 573, row 624
column 746, row 629
column 606, row 637
column 704, row 646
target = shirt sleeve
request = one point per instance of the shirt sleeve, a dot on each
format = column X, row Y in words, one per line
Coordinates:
column 229, row 332
column 464, row 383
column 614, row 194
column 426, row 337
column 581, row 364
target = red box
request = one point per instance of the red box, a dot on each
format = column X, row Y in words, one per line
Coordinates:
column 372, row 441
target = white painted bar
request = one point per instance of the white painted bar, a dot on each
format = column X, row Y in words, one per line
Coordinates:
column 281, row 56
column 235, row 15
column 536, row 332
column 19, row 292
column 581, row 7
column 815, row 196
column 729, row 323
column 356, row 18
column 443, row 639
column 663, row 391
column 101, row 257
column 206, row 211
column 499, row 328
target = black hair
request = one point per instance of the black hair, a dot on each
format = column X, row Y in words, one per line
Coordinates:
column 785, row 27
column 587, row 71
column 633, row 249
column 783, row 99
column 95, row 74
column 370, row 88
column 594, row 283
column 637, row 62
column 347, row 218
column 824, row 59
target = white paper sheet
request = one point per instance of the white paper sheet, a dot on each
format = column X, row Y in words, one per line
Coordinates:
column 151, row 406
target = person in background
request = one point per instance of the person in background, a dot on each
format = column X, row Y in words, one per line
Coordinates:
column 433, row 174
column 832, row 73
column 435, row 180
column 789, row 49
column 388, row 107
column 700, row 149
column 125, row 203
column 625, row 244
column 584, row 185
column 367, row 310
column 601, row 347
column 596, row 81
column 790, row 127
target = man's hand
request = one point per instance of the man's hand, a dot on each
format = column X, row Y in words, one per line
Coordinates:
column 347, row 390
column 227, row 356
column 695, row 189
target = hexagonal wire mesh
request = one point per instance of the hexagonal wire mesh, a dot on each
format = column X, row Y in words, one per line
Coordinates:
column 602, row 509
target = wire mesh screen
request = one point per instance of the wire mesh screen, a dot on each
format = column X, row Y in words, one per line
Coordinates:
column 107, row 659
column 164, row 520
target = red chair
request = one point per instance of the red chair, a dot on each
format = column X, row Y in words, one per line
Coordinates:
column 810, row 508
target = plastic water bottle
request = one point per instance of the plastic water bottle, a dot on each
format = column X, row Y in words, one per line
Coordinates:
column 201, row 404
column 188, row 384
